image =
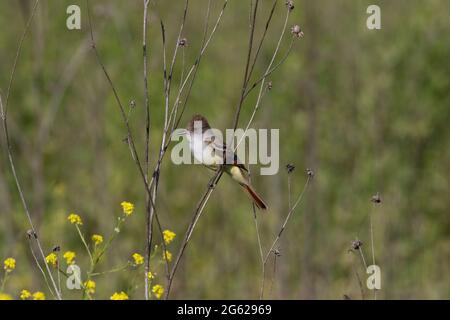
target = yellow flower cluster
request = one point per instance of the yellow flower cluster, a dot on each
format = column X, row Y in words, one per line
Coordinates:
column 168, row 236
column 151, row 275
column 4, row 296
column 127, row 207
column 38, row 295
column 90, row 286
column 9, row 264
column 25, row 294
column 52, row 259
column 69, row 256
column 168, row 255
column 158, row 291
column 75, row 219
column 98, row 239
column 119, row 296
column 138, row 259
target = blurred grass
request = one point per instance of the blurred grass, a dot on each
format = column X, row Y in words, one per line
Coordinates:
column 367, row 110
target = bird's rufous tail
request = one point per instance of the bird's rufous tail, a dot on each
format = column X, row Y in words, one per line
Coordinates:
column 259, row 202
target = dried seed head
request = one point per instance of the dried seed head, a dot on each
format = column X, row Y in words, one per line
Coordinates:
column 132, row 104
column 276, row 252
column 56, row 248
column 31, row 234
column 125, row 140
column 182, row 42
column 356, row 244
column 290, row 168
column 296, row 31
column 376, row 198
column 269, row 85
column 290, row 5
column 309, row 172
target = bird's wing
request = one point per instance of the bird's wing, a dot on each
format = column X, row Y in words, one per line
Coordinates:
column 227, row 154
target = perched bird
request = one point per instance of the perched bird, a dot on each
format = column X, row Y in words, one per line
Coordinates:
column 209, row 150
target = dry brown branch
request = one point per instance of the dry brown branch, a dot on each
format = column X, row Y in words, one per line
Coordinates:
column 4, row 117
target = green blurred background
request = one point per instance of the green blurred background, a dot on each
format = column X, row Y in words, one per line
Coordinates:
column 368, row 111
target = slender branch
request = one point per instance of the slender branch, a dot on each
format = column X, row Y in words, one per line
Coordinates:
column 147, row 147
column 269, row 19
column 36, row 260
column 247, row 66
column 130, row 139
column 283, row 227
column 269, row 72
column 197, row 213
column 3, row 115
column 372, row 246
column 358, row 278
column 266, row 74
column 84, row 243
column 193, row 71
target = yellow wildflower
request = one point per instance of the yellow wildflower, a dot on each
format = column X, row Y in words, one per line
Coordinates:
column 90, row 286
column 9, row 264
column 52, row 259
column 138, row 259
column 75, row 219
column 119, row 296
column 38, row 295
column 168, row 236
column 158, row 291
column 25, row 294
column 97, row 239
column 4, row 296
column 151, row 275
column 69, row 256
column 168, row 255
column 127, row 207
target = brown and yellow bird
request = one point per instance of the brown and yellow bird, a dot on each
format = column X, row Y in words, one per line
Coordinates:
column 209, row 150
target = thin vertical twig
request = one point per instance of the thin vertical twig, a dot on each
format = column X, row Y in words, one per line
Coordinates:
column 283, row 227
column 36, row 260
column 129, row 138
column 373, row 250
column 147, row 151
column 358, row 278
column 4, row 116
column 215, row 179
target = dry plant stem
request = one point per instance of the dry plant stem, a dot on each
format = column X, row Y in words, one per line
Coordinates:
column 255, row 218
column 362, row 258
column 155, row 177
column 147, row 147
column 373, row 250
column 213, row 182
column 36, row 260
column 269, row 19
column 197, row 212
column 283, row 227
column 247, row 75
column 130, row 138
column 193, row 70
column 273, row 275
column 3, row 115
column 270, row 71
column 358, row 278
column 84, row 243
column 266, row 74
